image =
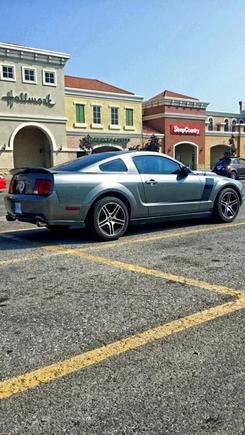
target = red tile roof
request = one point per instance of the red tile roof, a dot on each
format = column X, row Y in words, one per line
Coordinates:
column 92, row 84
column 172, row 94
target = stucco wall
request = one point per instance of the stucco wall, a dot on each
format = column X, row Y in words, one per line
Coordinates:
column 70, row 112
column 38, row 90
column 18, row 110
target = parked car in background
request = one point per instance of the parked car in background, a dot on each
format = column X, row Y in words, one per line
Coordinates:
column 108, row 191
column 232, row 167
column 3, row 183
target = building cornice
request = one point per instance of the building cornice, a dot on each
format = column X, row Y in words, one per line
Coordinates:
column 90, row 93
column 102, row 134
column 30, row 118
column 176, row 102
column 222, row 133
column 174, row 115
column 226, row 114
column 17, row 52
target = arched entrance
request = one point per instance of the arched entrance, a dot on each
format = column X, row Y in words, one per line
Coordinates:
column 105, row 148
column 32, row 147
column 217, row 152
column 186, row 153
column 99, row 149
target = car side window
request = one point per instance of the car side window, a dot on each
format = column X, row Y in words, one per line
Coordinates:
column 242, row 161
column 155, row 165
column 236, row 161
column 116, row 165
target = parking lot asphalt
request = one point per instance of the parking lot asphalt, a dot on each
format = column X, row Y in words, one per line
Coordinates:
column 143, row 335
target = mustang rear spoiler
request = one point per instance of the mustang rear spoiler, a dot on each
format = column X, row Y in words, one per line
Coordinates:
column 29, row 170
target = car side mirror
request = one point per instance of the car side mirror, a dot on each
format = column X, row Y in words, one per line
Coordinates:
column 184, row 171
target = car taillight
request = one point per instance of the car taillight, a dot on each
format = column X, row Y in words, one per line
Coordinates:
column 42, row 187
column 11, row 186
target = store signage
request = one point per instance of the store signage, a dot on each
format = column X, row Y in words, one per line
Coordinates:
column 185, row 129
column 24, row 98
column 115, row 140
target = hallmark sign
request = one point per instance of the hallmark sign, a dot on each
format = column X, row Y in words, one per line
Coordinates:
column 25, row 98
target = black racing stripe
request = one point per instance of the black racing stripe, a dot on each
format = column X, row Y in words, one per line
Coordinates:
column 207, row 189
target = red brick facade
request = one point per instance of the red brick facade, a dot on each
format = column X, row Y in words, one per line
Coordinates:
column 182, row 121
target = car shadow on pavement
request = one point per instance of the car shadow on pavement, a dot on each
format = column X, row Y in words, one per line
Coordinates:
column 38, row 237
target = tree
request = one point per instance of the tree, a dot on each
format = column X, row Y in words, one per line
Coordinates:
column 153, row 144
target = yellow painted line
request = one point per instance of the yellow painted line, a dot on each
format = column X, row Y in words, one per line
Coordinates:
column 59, row 369
column 170, row 234
column 150, row 272
column 131, row 267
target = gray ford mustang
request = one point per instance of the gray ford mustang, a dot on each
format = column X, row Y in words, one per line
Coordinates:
column 108, row 191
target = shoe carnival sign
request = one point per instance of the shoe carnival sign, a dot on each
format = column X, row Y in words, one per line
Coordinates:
column 185, row 129
column 24, row 98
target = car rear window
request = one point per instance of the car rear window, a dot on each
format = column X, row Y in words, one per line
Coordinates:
column 116, row 165
column 82, row 162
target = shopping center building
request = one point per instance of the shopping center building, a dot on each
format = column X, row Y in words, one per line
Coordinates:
column 101, row 117
column 32, row 117
column 47, row 117
column 223, row 131
column 193, row 135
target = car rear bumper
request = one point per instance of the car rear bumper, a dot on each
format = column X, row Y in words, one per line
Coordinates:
column 39, row 210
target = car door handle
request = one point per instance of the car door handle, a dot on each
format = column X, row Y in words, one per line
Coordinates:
column 151, row 182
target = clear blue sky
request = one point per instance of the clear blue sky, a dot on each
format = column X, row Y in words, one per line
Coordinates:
column 195, row 47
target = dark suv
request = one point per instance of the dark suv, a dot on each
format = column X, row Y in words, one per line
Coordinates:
column 233, row 167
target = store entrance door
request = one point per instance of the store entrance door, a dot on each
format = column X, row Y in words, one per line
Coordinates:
column 186, row 153
column 32, row 148
column 216, row 153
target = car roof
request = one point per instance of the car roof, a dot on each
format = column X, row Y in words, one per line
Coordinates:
column 88, row 161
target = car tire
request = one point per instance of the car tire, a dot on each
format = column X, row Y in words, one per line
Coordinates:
column 108, row 219
column 226, row 206
column 233, row 175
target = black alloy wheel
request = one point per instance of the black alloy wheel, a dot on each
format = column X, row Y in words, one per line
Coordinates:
column 108, row 219
column 227, row 205
column 233, row 175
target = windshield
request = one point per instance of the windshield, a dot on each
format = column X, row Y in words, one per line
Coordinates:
column 83, row 162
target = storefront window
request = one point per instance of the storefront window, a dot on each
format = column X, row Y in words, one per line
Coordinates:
column 241, row 122
column 210, row 124
column 29, row 75
column 114, row 116
column 129, row 117
column 8, row 72
column 226, row 126
column 49, row 77
column 80, row 113
column 96, row 114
